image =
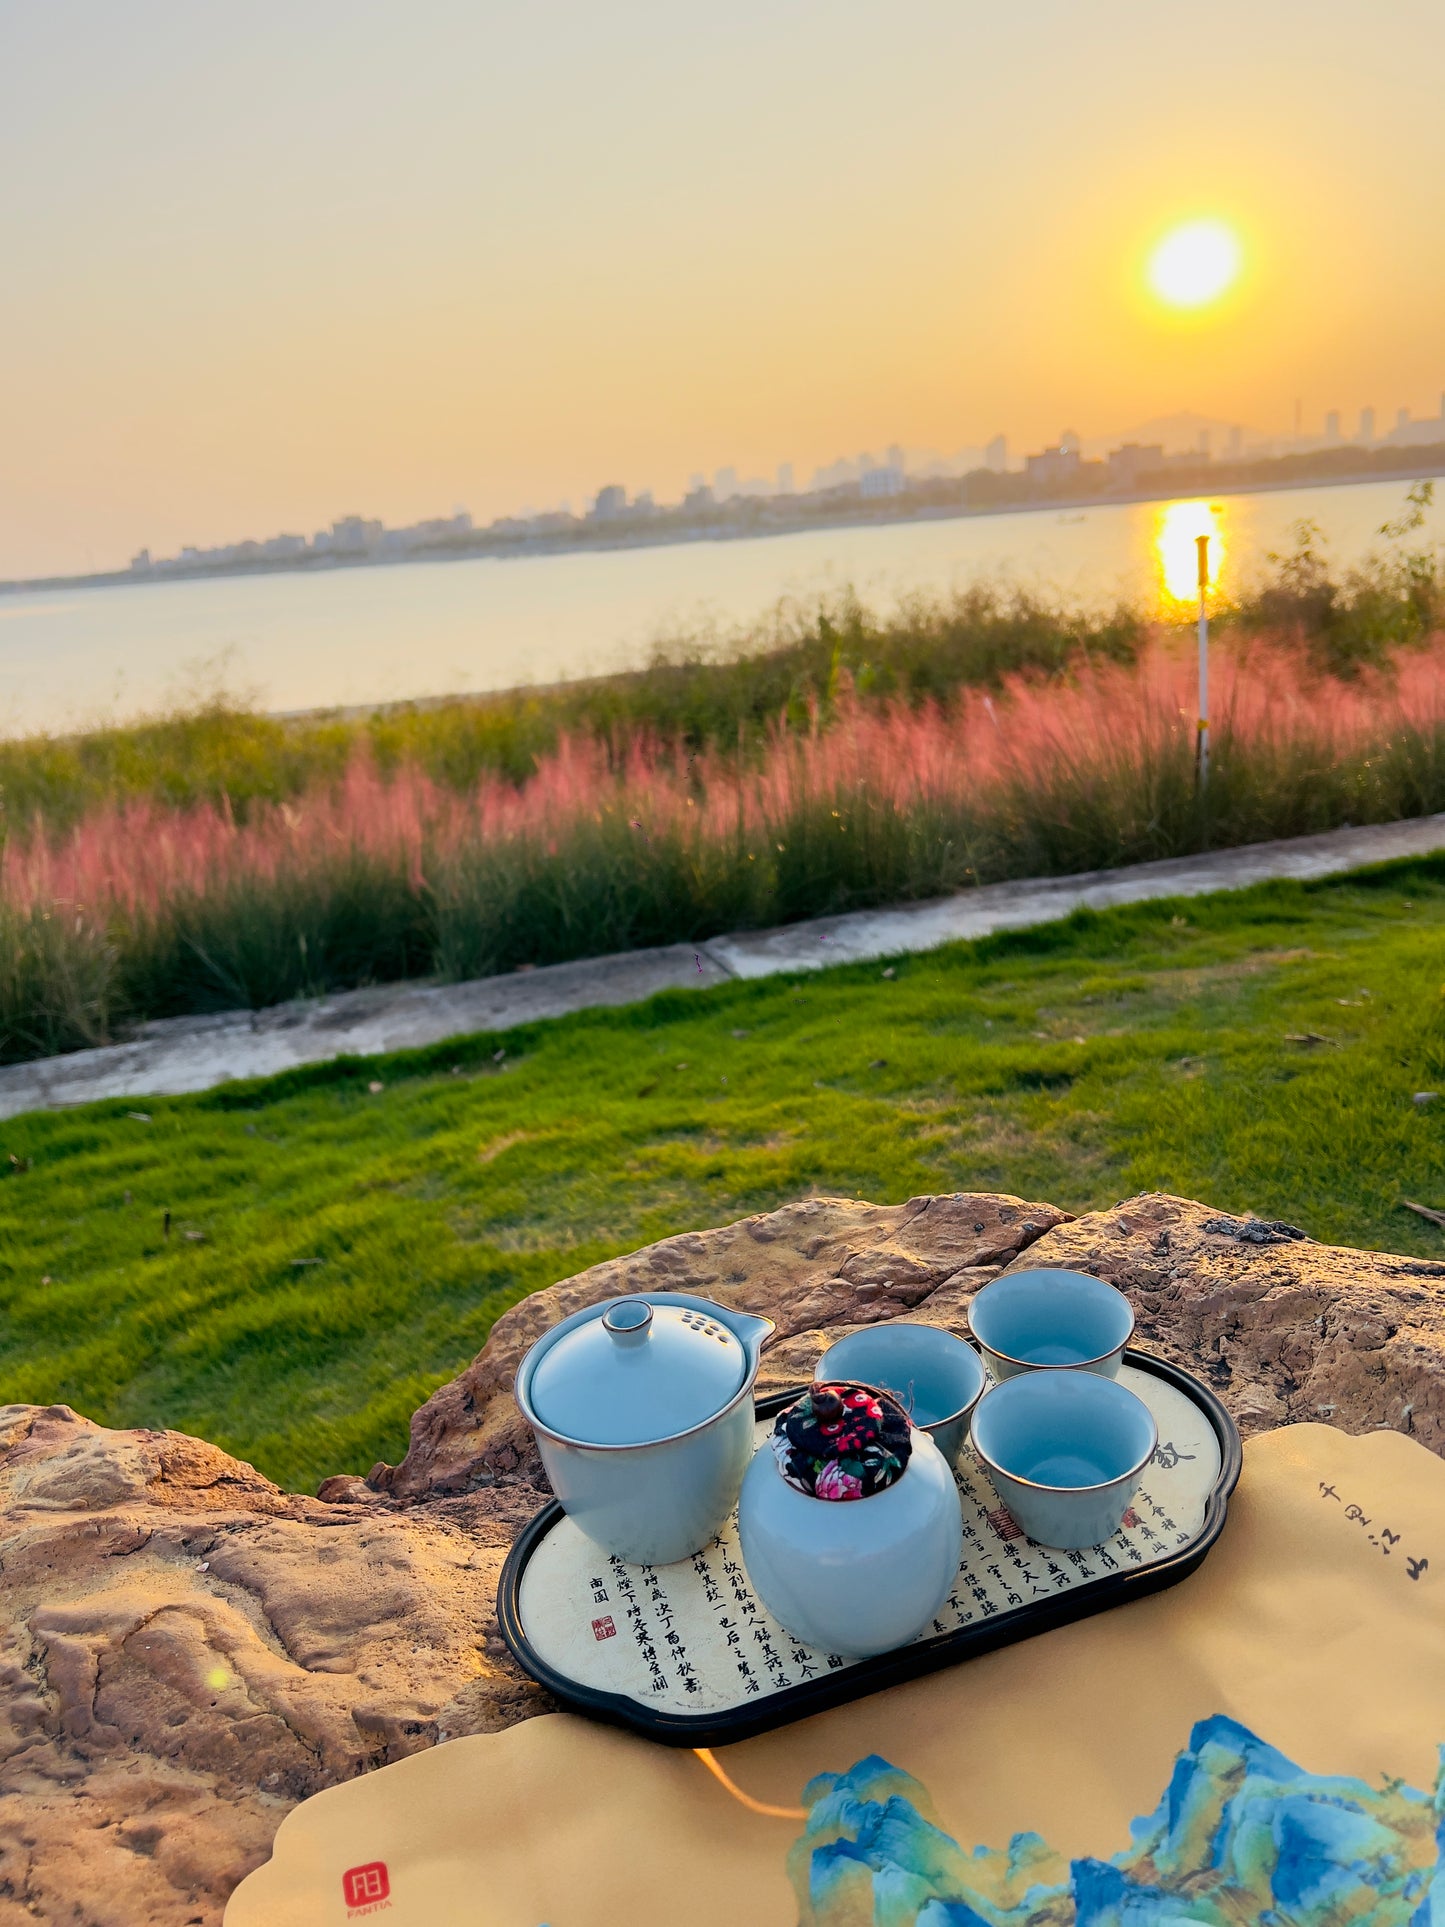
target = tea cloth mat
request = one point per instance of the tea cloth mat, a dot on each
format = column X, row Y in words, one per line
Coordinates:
column 1257, row 1743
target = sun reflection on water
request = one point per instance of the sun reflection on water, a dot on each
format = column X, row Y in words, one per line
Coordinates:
column 1177, row 528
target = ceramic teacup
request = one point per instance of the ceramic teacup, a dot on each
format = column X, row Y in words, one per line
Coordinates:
column 937, row 1378
column 1065, row 1451
column 1028, row 1320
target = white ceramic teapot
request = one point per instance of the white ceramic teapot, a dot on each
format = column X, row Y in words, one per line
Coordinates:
column 643, row 1411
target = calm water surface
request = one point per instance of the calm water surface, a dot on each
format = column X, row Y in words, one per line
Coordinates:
column 365, row 635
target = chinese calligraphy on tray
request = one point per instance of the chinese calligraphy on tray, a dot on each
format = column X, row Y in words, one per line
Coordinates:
column 693, row 1638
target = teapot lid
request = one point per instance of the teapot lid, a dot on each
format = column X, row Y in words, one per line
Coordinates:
column 638, row 1373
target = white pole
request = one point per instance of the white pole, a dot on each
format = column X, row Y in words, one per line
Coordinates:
column 1202, row 762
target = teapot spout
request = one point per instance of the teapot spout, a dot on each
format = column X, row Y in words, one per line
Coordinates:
column 752, row 1332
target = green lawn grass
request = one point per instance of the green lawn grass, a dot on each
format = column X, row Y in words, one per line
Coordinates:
column 334, row 1251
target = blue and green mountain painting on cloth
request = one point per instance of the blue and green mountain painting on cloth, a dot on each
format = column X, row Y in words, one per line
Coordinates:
column 1241, row 1835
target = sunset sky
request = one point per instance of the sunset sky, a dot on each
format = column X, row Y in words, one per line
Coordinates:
column 263, row 264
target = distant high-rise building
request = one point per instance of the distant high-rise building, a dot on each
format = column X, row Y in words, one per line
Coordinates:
column 836, row 474
column 1428, row 431
column 1069, row 443
column 995, row 454
column 1367, row 425
column 611, row 501
column 725, row 484
column 1053, row 466
column 1128, row 463
column 1332, row 425
column 785, row 478
column 141, row 561
column 698, row 497
column 353, row 535
column 1236, row 442
column 877, row 482
column 896, row 458
column 1202, row 445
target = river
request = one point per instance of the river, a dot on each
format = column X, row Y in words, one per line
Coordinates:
column 73, row 657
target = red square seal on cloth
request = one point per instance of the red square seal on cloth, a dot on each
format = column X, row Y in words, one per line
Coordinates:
column 362, row 1886
column 604, row 1628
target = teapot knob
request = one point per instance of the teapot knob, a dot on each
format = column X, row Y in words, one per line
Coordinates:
column 627, row 1321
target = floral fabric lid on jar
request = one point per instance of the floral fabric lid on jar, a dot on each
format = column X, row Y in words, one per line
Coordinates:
column 842, row 1441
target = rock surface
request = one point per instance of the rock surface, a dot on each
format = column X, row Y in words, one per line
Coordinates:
column 820, row 1263
column 187, row 1651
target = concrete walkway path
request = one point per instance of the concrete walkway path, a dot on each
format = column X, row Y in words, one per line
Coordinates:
column 182, row 1054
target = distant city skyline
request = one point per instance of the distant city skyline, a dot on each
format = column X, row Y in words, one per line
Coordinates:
column 346, row 259
column 1183, row 436
column 1180, row 433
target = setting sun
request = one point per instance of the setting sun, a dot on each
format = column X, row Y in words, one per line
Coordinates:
column 1194, row 264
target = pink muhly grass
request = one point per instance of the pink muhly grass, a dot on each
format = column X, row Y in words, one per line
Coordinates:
column 135, row 857
column 1033, row 750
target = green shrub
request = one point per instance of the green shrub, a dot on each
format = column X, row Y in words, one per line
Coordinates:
column 59, row 988
column 1391, row 601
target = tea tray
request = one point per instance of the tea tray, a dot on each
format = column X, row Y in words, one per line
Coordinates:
column 688, row 1654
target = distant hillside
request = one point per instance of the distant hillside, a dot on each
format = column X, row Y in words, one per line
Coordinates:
column 1178, row 433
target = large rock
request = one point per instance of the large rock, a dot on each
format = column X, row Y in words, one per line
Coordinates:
column 824, row 1262
column 188, row 1651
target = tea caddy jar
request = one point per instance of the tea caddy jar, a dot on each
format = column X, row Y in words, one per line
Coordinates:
column 854, row 1574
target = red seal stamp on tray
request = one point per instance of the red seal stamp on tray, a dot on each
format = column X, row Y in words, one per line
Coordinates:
column 367, row 1889
column 604, row 1628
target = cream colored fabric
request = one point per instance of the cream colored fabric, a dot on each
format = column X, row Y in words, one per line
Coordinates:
column 1304, row 1624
